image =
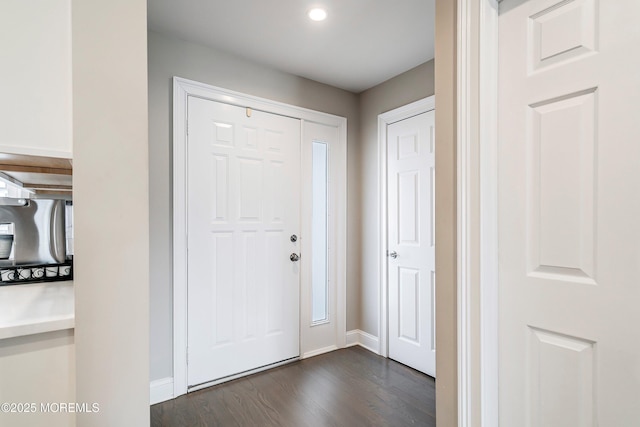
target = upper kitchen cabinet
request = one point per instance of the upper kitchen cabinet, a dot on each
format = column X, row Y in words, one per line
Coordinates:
column 35, row 77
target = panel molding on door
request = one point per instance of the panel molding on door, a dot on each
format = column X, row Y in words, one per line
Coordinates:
column 243, row 203
column 384, row 120
column 568, row 212
column 411, row 264
column 182, row 90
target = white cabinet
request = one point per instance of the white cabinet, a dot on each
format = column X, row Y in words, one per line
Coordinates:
column 38, row 370
column 35, row 77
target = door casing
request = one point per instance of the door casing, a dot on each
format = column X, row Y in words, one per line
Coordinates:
column 385, row 119
column 182, row 88
column 467, row 391
column 476, row 119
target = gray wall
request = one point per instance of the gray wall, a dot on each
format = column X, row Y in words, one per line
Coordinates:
column 415, row 84
column 170, row 57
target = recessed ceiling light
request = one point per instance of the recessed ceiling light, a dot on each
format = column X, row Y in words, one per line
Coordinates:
column 318, row 14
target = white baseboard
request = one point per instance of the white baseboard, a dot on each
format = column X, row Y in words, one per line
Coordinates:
column 161, row 390
column 363, row 339
column 319, row 351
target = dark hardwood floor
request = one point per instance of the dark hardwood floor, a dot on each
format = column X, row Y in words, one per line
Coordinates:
column 350, row 387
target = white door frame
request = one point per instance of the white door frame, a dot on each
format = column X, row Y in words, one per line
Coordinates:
column 477, row 216
column 385, row 119
column 182, row 88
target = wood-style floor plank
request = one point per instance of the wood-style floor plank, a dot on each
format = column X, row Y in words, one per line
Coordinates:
column 350, row 387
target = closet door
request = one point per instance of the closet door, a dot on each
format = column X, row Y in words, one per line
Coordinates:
column 411, row 241
column 569, row 210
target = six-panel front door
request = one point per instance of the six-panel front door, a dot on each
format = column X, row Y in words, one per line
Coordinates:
column 243, row 207
column 411, row 266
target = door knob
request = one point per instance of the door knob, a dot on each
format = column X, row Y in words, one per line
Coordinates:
column 294, row 257
column 393, row 254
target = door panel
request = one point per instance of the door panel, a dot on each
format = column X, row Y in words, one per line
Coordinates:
column 410, row 166
column 243, row 204
column 568, row 213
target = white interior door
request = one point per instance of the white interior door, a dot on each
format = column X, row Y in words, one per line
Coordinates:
column 243, row 206
column 411, row 250
column 569, row 213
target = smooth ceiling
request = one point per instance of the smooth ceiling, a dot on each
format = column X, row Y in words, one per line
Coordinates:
column 361, row 44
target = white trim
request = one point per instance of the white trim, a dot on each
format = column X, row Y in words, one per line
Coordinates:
column 352, row 338
column 385, row 119
column 319, row 351
column 180, row 92
column 161, row 390
column 182, row 88
column 477, row 359
column 489, row 367
column 464, row 212
column 364, row 340
column 340, row 224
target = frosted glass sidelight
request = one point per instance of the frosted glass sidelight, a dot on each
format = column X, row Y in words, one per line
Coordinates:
column 319, row 232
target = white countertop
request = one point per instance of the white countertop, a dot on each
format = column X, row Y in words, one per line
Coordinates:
column 35, row 308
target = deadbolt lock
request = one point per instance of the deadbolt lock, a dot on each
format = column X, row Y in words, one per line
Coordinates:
column 294, row 238
column 294, row 257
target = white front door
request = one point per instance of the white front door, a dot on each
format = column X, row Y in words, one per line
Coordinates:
column 569, row 213
column 411, row 250
column 243, row 206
